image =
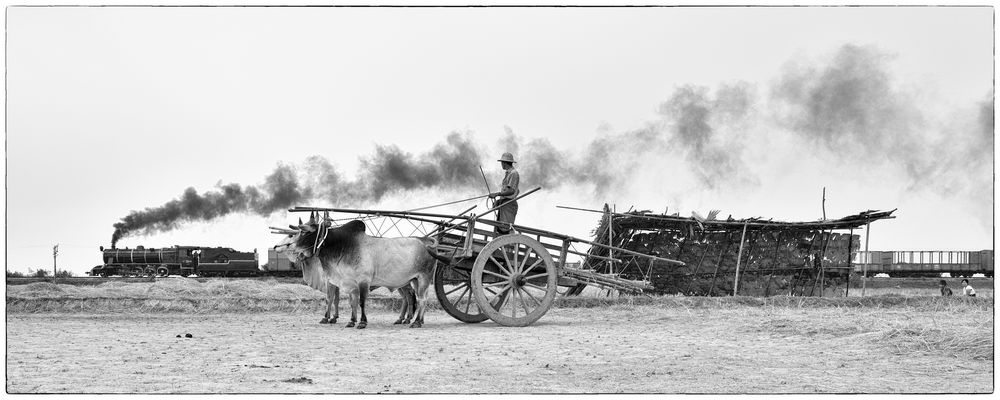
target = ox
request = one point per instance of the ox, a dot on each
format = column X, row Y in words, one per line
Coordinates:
column 351, row 260
column 312, row 274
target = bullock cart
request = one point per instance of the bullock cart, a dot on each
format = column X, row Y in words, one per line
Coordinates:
column 511, row 279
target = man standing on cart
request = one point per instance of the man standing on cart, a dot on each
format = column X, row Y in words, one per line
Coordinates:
column 505, row 197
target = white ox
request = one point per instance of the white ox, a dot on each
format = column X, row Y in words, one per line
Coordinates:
column 348, row 259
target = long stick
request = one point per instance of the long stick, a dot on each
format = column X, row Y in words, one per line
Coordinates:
column 739, row 255
column 488, row 211
column 486, row 181
column 824, row 203
column 864, row 274
column 448, row 203
column 822, row 225
column 441, row 226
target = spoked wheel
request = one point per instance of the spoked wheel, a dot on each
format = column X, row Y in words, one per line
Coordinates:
column 452, row 286
column 514, row 280
column 162, row 271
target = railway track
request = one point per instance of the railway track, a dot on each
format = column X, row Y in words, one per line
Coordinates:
column 93, row 281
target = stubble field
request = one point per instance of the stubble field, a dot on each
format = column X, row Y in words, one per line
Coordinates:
column 265, row 338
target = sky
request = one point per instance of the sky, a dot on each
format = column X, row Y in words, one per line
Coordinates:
column 201, row 126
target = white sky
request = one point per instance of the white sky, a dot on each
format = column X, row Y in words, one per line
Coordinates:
column 110, row 110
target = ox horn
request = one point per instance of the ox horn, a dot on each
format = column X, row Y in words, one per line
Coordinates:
column 300, row 221
column 312, row 218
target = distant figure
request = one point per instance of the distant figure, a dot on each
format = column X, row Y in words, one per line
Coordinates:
column 505, row 197
column 945, row 290
column 967, row 289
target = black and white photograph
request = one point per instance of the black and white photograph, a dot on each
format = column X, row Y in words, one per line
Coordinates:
column 499, row 199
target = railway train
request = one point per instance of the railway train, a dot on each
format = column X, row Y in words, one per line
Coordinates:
column 191, row 260
column 924, row 263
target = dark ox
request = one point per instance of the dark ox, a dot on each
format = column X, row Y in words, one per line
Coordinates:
column 349, row 259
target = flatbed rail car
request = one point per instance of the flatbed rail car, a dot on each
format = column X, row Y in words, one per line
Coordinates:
column 176, row 260
column 511, row 279
column 923, row 263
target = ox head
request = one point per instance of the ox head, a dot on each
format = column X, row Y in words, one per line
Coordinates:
column 300, row 241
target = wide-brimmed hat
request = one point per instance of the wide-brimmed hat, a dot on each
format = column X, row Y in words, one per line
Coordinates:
column 507, row 157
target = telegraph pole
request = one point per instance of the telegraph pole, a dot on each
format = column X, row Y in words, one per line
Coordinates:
column 55, row 253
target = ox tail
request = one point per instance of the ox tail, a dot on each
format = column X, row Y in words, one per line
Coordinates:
column 431, row 246
column 445, row 259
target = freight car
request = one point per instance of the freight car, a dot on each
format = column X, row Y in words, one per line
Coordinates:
column 177, row 260
column 924, row 263
column 278, row 264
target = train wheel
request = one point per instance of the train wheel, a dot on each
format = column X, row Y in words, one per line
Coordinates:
column 104, row 274
column 150, row 272
column 162, row 271
column 453, row 288
column 514, row 280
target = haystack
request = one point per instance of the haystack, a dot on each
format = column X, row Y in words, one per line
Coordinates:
column 773, row 258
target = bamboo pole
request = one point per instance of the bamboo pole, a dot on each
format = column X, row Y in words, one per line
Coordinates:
column 864, row 276
column 821, row 225
column 850, row 262
column 824, row 203
column 739, row 255
column 611, row 243
column 448, row 203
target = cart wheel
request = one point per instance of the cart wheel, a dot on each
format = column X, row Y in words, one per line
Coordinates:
column 452, row 285
column 514, row 280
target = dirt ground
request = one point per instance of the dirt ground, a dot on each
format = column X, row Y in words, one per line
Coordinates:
column 631, row 349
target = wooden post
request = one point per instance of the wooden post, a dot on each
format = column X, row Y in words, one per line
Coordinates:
column 774, row 263
column 55, row 253
column 864, row 276
column 718, row 265
column 850, row 262
column 739, row 254
column 824, row 203
column 697, row 268
column 611, row 242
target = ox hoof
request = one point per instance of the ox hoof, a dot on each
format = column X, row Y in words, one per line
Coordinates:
column 398, row 321
column 349, row 325
column 416, row 325
column 406, row 321
column 324, row 321
column 362, row 325
column 333, row 320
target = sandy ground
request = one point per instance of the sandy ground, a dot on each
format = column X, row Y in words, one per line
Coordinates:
column 639, row 349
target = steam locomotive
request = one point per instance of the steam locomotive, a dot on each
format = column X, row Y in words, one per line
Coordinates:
column 924, row 263
column 190, row 260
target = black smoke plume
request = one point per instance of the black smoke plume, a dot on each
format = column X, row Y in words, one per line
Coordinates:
column 695, row 118
column 389, row 170
column 849, row 107
column 852, row 108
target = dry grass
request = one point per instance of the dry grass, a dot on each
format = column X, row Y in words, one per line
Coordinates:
column 189, row 295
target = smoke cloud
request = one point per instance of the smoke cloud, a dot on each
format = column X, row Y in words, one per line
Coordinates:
column 848, row 106
column 702, row 126
column 389, row 170
column 851, row 108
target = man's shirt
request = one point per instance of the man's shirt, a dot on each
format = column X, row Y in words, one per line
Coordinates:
column 510, row 180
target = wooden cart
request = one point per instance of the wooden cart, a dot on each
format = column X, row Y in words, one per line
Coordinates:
column 511, row 279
